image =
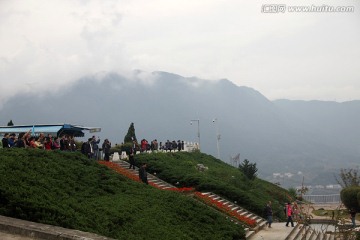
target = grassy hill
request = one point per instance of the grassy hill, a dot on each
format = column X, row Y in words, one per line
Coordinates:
column 180, row 170
column 68, row 190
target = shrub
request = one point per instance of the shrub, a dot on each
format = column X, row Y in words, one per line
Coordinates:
column 349, row 197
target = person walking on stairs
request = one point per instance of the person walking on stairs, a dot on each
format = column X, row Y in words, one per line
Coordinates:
column 268, row 214
column 289, row 215
column 131, row 158
column 143, row 173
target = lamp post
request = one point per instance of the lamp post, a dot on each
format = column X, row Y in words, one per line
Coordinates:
column 198, row 128
column 218, row 136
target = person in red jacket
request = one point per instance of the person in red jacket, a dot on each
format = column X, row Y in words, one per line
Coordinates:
column 289, row 211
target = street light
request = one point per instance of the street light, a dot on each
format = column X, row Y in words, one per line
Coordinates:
column 218, row 136
column 198, row 125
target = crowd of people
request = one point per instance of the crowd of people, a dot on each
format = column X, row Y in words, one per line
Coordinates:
column 26, row 140
column 91, row 148
column 167, row 146
column 64, row 143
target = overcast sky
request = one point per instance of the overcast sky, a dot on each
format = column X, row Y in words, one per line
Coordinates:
column 293, row 55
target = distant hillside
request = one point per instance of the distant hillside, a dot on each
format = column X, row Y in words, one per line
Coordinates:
column 68, row 190
column 304, row 138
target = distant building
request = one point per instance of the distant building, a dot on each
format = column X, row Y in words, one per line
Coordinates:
column 276, row 175
column 289, row 175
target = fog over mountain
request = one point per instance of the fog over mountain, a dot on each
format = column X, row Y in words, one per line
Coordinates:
column 314, row 138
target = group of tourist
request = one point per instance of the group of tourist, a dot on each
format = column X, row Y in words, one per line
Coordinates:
column 179, row 145
column 26, row 140
column 289, row 210
column 154, row 145
column 91, row 148
column 64, row 143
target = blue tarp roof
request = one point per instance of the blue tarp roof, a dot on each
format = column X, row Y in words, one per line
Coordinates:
column 55, row 129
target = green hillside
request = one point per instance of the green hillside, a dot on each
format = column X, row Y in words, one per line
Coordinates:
column 180, row 170
column 66, row 189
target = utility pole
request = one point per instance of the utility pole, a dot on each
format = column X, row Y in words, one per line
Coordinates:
column 198, row 129
column 218, row 136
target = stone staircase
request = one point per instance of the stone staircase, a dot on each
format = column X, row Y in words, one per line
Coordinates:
column 260, row 222
column 302, row 232
column 154, row 180
column 299, row 232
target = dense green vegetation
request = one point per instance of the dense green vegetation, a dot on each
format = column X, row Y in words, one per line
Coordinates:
column 68, row 190
column 350, row 197
column 180, row 170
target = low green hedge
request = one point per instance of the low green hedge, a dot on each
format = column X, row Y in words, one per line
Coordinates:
column 66, row 189
column 180, row 169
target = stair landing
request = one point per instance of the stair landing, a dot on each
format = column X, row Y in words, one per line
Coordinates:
column 278, row 231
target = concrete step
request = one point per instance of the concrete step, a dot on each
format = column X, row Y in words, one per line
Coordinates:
column 249, row 233
column 241, row 211
column 313, row 235
column 332, row 237
column 206, row 193
column 301, row 232
column 278, row 231
column 293, row 232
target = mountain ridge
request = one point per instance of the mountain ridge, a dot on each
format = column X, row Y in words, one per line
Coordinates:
column 310, row 137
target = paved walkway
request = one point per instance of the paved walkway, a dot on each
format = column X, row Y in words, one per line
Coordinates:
column 278, row 231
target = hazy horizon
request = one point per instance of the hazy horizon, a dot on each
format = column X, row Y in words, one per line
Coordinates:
column 284, row 55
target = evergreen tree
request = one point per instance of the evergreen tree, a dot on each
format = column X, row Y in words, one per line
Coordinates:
column 249, row 169
column 130, row 136
column 10, row 123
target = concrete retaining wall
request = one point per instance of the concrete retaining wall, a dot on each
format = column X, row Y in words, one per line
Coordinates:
column 43, row 231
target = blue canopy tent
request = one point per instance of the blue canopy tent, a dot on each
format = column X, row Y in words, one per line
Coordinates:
column 53, row 129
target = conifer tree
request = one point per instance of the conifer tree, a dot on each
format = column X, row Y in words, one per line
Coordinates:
column 249, row 169
column 130, row 136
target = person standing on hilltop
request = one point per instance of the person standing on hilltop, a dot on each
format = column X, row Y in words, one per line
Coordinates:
column 106, row 146
column 5, row 141
column 95, row 147
column 268, row 214
column 87, row 149
column 131, row 158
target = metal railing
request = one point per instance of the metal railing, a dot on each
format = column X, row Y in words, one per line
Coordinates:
column 332, row 198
